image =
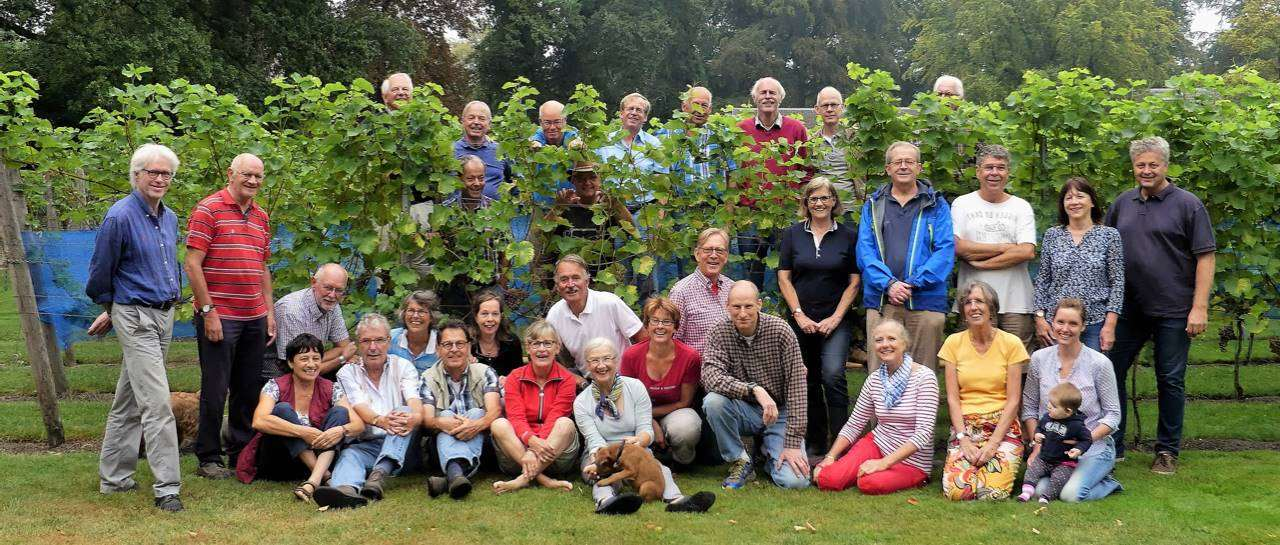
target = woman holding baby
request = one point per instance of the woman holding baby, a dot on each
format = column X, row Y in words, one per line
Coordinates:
column 615, row 408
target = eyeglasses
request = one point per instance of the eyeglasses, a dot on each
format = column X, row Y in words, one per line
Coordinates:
column 541, row 344
column 600, row 360
column 333, row 291
column 375, row 340
column 820, row 199
column 161, row 174
column 635, row 110
column 450, row 345
column 903, row 163
column 552, row 122
column 829, row 106
column 714, row 251
column 250, row 175
column 417, row 312
column 667, row 323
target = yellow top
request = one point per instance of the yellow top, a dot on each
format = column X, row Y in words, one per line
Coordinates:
column 983, row 378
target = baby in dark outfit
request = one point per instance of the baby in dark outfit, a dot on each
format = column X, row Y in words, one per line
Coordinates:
column 1060, row 438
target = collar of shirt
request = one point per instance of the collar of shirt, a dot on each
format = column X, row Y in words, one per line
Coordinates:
column 1168, row 188
column 227, row 199
column 588, row 308
column 748, row 340
column 835, row 226
column 487, row 143
column 706, row 283
column 402, row 341
column 314, row 312
column 142, row 205
column 777, row 123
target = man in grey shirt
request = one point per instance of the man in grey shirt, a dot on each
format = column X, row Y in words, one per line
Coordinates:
column 1168, row 265
column 316, row 310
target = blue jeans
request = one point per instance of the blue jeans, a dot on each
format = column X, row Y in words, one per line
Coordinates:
column 730, row 419
column 824, row 357
column 452, row 448
column 1171, row 348
column 1092, row 336
column 359, row 457
column 1092, row 479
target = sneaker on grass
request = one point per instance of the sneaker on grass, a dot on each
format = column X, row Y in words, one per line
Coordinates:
column 740, row 473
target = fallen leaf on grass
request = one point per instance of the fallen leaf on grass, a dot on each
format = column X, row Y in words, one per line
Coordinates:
column 810, row 526
column 913, row 501
column 1035, row 531
column 325, row 508
column 1120, row 523
column 731, row 521
column 1041, row 510
column 193, row 534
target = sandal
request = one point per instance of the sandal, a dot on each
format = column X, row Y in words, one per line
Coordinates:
column 304, row 491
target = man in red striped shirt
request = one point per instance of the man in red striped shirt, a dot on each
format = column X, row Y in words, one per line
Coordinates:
column 228, row 241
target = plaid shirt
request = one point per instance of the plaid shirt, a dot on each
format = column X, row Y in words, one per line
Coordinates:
column 460, row 400
column 298, row 313
column 704, row 163
column 700, row 310
column 771, row 360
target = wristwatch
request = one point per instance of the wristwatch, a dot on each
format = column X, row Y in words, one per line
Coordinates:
column 961, row 435
column 1039, row 314
column 205, row 309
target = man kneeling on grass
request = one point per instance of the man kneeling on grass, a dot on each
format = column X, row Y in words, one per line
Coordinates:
column 460, row 400
column 384, row 392
column 538, row 439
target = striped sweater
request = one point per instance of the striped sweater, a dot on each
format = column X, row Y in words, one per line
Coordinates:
column 912, row 420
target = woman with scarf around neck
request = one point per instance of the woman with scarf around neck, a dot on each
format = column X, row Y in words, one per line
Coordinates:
column 902, row 396
column 615, row 408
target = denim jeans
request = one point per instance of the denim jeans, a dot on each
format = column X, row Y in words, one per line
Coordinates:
column 452, row 448
column 730, row 419
column 359, row 457
column 824, row 357
column 1171, row 347
column 1092, row 336
column 1092, row 479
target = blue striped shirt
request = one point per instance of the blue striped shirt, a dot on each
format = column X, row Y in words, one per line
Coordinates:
column 135, row 255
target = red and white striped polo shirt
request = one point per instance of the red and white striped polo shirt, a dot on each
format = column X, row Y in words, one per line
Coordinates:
column 236, row 246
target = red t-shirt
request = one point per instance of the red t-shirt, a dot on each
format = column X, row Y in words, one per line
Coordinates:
column 237, row 245
column 687, row 369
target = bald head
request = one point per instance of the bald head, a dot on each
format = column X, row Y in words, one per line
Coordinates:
column 244, row 178
column 744, row 307
column 829, row 106
column 551, row 119
column 697, row 103
column 329, row 285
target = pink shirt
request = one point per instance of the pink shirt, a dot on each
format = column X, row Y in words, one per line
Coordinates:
column 687, row 369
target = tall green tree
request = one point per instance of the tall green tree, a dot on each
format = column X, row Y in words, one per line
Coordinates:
column 990, row 43
column 1252, row 39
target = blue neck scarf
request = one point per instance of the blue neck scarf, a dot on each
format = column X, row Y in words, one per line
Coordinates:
column 895, row 385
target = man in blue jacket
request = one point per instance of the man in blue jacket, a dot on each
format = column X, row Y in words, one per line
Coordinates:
column 905, row 252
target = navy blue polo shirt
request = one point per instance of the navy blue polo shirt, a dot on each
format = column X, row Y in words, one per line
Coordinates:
column 1162, row 235
column 895, row 230
column 819, row 273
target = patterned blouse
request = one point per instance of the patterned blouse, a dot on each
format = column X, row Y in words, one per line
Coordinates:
column 1092, row 271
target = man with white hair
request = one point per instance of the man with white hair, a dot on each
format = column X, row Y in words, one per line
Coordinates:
column 396, row 90
column 769, row 125
column 476, row 119
column 1169, row 259
column 553, row 127
column 317, row 310
column 948, row 86
column 134, row 275
column 228, row 245
column 828, row 148
column 628, row 149
column 384, row 391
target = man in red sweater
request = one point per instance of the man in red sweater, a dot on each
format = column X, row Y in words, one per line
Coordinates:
column 769, row 125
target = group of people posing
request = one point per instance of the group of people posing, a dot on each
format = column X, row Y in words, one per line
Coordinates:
column 341, row 416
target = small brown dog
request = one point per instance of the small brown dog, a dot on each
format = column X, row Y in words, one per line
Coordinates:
column 186, row 416
column 633, row 465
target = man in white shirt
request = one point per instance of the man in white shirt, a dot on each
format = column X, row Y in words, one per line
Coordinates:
column 384, row 391
column 995, row 236
column 583, row 314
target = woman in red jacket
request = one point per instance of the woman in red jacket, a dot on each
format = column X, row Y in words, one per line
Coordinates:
column 538, row 440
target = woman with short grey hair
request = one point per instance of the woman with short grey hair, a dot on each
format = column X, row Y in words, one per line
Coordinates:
column 416, row 340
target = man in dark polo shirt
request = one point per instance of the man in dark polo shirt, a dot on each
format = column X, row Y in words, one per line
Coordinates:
column 228, row 241
column 1169, row 259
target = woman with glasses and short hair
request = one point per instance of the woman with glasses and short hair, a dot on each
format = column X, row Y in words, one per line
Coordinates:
column 670, row 371
column 818, row 276
column 416, row 340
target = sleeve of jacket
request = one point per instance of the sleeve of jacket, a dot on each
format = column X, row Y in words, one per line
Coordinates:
column 942, row 248
column 875, row 273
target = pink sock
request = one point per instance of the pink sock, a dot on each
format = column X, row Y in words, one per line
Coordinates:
column 1027, row 491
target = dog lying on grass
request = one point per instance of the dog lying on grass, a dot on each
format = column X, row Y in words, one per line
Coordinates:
column 632, row 465
column 186, row 416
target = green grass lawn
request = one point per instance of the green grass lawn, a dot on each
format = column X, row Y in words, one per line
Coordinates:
column 1215, row 498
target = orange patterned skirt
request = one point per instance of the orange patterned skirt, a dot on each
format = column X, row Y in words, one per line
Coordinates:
column 993, row 480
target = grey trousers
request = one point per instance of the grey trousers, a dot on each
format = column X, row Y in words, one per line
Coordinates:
column 141, row 406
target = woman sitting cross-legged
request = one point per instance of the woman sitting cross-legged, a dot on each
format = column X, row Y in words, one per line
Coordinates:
column 615, row 408
column 902, row 396
column 301, row 419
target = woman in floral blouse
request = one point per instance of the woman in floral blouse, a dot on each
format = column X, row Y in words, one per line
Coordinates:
column 1084, row 259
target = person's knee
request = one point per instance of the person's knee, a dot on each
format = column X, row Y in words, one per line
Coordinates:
column 564, row 425
column 475, row 413
column 786, row 477
column 501, row 426
column 1073, row 492
column 284, row 410
column 715, row 404
column 338, row 415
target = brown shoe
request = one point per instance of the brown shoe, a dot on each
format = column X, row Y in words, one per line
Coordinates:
column 1164, row 464
column 372, row 489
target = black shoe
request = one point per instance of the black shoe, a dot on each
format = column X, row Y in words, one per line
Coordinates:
column 341, row 497
column 459, row 488
column 697, row 503
column 215, row 471
column 372, row 488
column 621, row 504
column 436, row 486
column 169, row 503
